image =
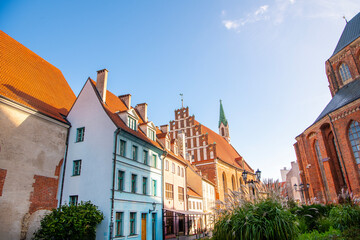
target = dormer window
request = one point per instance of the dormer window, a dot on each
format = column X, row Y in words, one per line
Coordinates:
column 345, row 72
column 151, row 134
column 132, row 123
column 176, row 150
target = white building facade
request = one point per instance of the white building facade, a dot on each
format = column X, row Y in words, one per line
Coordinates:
column 115, row 163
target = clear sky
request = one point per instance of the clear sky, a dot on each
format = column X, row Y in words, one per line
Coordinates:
column 264, row 58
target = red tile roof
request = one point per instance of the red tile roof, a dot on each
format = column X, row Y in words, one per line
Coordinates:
column 113, row 105
column 28, row 79
column 224, row 150
column 192, row 193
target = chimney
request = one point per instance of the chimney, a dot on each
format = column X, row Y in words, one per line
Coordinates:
column 101, row 83
column 142, row 109
column 164, row 128
column 126, row 99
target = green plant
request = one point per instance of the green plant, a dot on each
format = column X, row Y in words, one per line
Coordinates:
column 345, row 216
column 311, row 215
column 70, row 222
column 331, row 234
column 266, row 219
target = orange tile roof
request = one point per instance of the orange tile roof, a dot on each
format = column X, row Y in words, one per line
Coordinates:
column 28, row 79
column 192, row 193
column 113, row 105
column 224, row 150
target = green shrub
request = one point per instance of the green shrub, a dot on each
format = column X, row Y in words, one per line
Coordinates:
column 311, row 215
column 266, row 219
column 345, row 216
column 331, row 234
column 352, row 233
column 70, row 222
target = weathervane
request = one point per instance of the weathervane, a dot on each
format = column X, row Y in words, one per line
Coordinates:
column 182, row 100
column 345, row 19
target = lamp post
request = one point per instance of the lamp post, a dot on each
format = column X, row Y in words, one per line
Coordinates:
column 302, row 189
column 251, row 182
column 154, row 207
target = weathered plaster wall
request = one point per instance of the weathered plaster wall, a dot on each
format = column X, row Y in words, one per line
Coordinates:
column 31, row 154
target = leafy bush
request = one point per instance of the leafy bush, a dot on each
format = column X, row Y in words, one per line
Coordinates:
column 70, row 222
column 311, row 216
column 345, row 216
column 331, row 234
column 266, row 219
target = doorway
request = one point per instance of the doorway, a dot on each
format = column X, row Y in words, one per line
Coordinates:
column 143, row 226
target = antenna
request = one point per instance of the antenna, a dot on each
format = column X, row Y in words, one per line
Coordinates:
column 182, row 100
column 345, row 19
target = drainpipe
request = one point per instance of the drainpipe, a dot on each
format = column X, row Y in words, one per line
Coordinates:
column 342, row 165
column 162, row 191
column 65, row 158
column 111, row 226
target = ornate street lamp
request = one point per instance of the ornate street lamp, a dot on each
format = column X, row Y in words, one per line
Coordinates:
column 258, row 175
column 244, row 175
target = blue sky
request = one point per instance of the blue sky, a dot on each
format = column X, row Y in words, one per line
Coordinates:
column 264, row 58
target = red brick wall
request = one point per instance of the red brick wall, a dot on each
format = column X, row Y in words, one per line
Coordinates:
column 44, row 194
column 2, row 179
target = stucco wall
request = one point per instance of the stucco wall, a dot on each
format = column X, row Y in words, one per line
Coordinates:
column 31, row 151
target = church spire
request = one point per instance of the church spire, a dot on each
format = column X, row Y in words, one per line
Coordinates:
column 223, row 124
column 222, row 118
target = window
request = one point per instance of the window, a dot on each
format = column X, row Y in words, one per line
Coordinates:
column 173, row 168
column 133, row 183
column 200, row 205
column 132, row 123
column 167, row 144
column 134, row 152
column 193, row 205
column 144, row 186
column 154, row 187
column 122, row 148
column 73, row 200
column 354, row 137
column 176, row 150
column 145, row 157
column 119, row 224
column 121, row 180
column 178, row 171
column 233, row 182
column 76, row 167
column 181, row 194
column 182, row 172
column 344, row 72
column 154, row 160
column 189, row 205
column 169, row 191
column 166, row 165
column 151, row 134
column 132, row 223
column 80, row 134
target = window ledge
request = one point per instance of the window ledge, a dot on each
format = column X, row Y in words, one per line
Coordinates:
column 133, row 236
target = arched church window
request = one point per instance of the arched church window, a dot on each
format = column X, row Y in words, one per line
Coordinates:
column 317, row 150
column 224, row 184
column 344, row 72
column 222, row 132
column 233, row 182
column 354, row 137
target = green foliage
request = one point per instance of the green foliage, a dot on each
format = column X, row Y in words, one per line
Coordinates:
column 331, row 234
column 352, row 233
column 345, row 216
column 266, row 219
column 311, row 216
column 70, row 222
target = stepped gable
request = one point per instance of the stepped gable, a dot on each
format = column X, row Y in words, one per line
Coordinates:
column 112, row 106
column 224, row 150
column 29, row 80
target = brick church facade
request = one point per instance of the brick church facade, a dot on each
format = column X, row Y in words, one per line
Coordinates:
column 328, row 151
column 212, row 153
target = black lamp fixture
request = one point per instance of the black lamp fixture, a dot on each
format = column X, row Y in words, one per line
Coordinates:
column 244, row 175
column 258, row 175
column 301, row 187
column 154, row 207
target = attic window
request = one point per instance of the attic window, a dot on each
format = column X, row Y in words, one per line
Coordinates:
column 176, row 150
column 132, row 123
column 151, row 134
column 167, row 144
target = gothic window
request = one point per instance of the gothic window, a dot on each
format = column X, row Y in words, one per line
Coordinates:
column 222, row 132
column 354, row 137
column 344, row 72
column 224, row 184
column 233, row 182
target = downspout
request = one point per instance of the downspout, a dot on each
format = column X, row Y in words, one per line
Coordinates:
column 65, row 158
column 111, row 226
column 162, row 192
column 342, row 165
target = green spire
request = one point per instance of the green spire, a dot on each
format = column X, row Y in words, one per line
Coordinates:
column 222, row 118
